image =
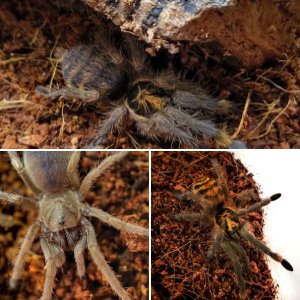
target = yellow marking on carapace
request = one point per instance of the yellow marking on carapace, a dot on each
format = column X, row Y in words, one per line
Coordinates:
column 230, row 224
column 145, row 100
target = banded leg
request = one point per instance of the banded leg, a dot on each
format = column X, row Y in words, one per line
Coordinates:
column 262, row 247
column 101, row 263
column 26, row 245
column 258, row 205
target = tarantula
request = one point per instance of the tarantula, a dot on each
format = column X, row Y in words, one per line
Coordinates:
column 226, row 217
column 160, row 104
column 62, row 222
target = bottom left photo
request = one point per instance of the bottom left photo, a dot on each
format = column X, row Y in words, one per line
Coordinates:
column 74, row 225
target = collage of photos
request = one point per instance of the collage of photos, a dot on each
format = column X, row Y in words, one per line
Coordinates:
column 149, row 149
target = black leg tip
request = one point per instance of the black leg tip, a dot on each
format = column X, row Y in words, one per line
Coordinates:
column 287, row 265
column 275, row 197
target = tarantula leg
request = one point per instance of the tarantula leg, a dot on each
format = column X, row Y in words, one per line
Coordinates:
column 236, row 144
column 244, row 196
column 101, row 263
column 78, row 254
column 116, row 222
column 72, row 169
column 185, row 120
column 188, row 217
column 160, row 126
column 258, row 205
column 203, row 127
column 55, row 258
column 262, row 247
column 85, row 95
column 222, row 181
column 26, row 203
column 49, row 279
column 112, row 122
column 105, row 41
column 89, row 179
column 230, row 252
column 243, row 254
column 26, row 245
column 188, row 195
column 217, row 239
column 136, row 53
column 197, row 199
column 19, row 167
column 199, row 100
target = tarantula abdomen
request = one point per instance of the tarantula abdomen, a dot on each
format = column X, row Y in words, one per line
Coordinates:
column 89, row 74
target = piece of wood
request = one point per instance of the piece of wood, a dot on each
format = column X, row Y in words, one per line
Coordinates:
column 252, row 31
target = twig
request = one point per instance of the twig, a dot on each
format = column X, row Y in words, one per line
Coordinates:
column 11, row 104
column 272, row 122
column 62, row 127
column 270, row 109
column 243, row 116
column 12, row 60
column 278, row 86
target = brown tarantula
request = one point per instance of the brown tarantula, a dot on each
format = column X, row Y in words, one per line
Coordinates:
column 62, row 222
column 161, row 105
column 224, row 214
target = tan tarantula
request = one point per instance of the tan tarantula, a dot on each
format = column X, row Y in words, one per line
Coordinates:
column 62, row 223
column 160, row 105
column 226, row 217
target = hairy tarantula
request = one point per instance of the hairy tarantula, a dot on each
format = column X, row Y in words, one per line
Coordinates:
column 62, row 223
column 161, row 105
column 226, row 217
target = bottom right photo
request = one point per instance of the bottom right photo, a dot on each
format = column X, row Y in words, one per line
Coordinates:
column 225, row 224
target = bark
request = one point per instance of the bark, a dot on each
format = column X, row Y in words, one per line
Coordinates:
column 252, row 31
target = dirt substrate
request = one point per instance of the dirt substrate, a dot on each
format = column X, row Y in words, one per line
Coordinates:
column 179, row 250
column 31, row 30
column 121, row 191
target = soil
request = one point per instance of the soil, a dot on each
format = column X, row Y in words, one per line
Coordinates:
column 122, row 191
column 179, row 267
column 266, row 100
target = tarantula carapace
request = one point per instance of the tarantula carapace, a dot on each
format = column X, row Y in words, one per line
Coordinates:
column 226, row 216
column 160, row 104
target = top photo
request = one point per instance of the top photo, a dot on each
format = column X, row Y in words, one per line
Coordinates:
column 149, row 74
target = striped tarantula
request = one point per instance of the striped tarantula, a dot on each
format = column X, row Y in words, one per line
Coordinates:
column 226, row 217
column 161, row 105
column 63, row 218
